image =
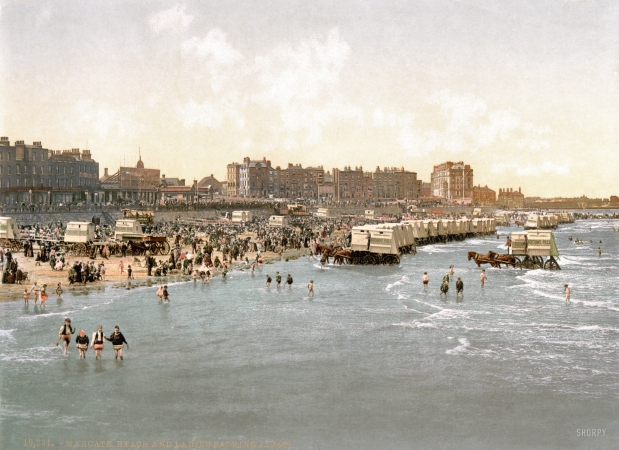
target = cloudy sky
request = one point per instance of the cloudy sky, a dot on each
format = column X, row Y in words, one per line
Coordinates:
column 527, row 92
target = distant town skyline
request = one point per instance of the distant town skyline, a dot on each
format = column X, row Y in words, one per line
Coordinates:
column 524, row 92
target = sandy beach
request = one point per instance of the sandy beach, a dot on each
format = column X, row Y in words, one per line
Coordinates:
column 43, row 273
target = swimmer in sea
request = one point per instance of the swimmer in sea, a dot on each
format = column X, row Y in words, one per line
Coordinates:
column 425, row 278
column 567, row 293
column 166, row 297
column 65, row 334
column 310, row 288
column 278, row 279
column 269, row 279
column 81, row 342
column 451, row 272
column 444, row 287
column 43, row 295
column 459, row 287
column 59, row 290
column 289, row 281
column 98, row 339
column 483, row 277
column 117, row 339
column 159, row 293
column 26, row 296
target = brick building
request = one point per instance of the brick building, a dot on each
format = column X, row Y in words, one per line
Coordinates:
column 395, row 183
column 298, row 182
column 453, row 181
column 31, row 174
column 508, row 198
column 353, row 184
column 483, row 195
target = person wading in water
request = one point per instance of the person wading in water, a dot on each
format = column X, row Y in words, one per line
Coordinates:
column 117, row 339
column 65, row 334
column 98, row 339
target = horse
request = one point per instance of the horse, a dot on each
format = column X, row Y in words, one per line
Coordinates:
column 342, row 256
column 505, row 259
column 482, row 259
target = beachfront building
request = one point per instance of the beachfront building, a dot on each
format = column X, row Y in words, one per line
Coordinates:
column 353, row 184
column 395, row 183
column 254, row 178
column 297, row 182
column 453, row 182
column 508, row 198
column 209, row 186
column 326, row 190
column 33, row 175
column 483, row 195
column 233, row 175
column 131, row 184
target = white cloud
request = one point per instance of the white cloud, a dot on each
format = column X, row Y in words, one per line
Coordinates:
column 173, row 19
column 545, row 168
column 302, row 83
column 213, row 47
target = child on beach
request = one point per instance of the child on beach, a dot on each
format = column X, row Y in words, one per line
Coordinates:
column 26, row 296
column 121, row 268
column 310, row 288
column 160, row 293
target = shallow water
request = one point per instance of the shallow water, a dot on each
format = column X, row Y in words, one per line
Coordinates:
column 373, row 361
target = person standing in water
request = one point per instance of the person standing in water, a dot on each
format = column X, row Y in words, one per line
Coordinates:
column 98, row 339
column 483, row 277
column 451, row 272
column 166, row 296
column 459, row 287
column 278, row 279
column 269, row 279
column 310, row 288
column 37, row 292
column 159, row 293
column 567, row 294
column 26, row 296
column 425, row 278
column 81, row 342
column 65, row 335
column 445, row 286
column 59, row 290
column 43, row 295
column 118, row 340
column 289, row 281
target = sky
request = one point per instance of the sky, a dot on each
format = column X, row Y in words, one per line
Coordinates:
column 526, row 92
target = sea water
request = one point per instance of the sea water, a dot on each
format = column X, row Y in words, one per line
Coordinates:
column 372, row 361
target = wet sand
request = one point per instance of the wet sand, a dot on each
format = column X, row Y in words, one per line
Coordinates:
column 43, row 274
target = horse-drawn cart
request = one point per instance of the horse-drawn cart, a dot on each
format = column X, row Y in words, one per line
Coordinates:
column 158, row 245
